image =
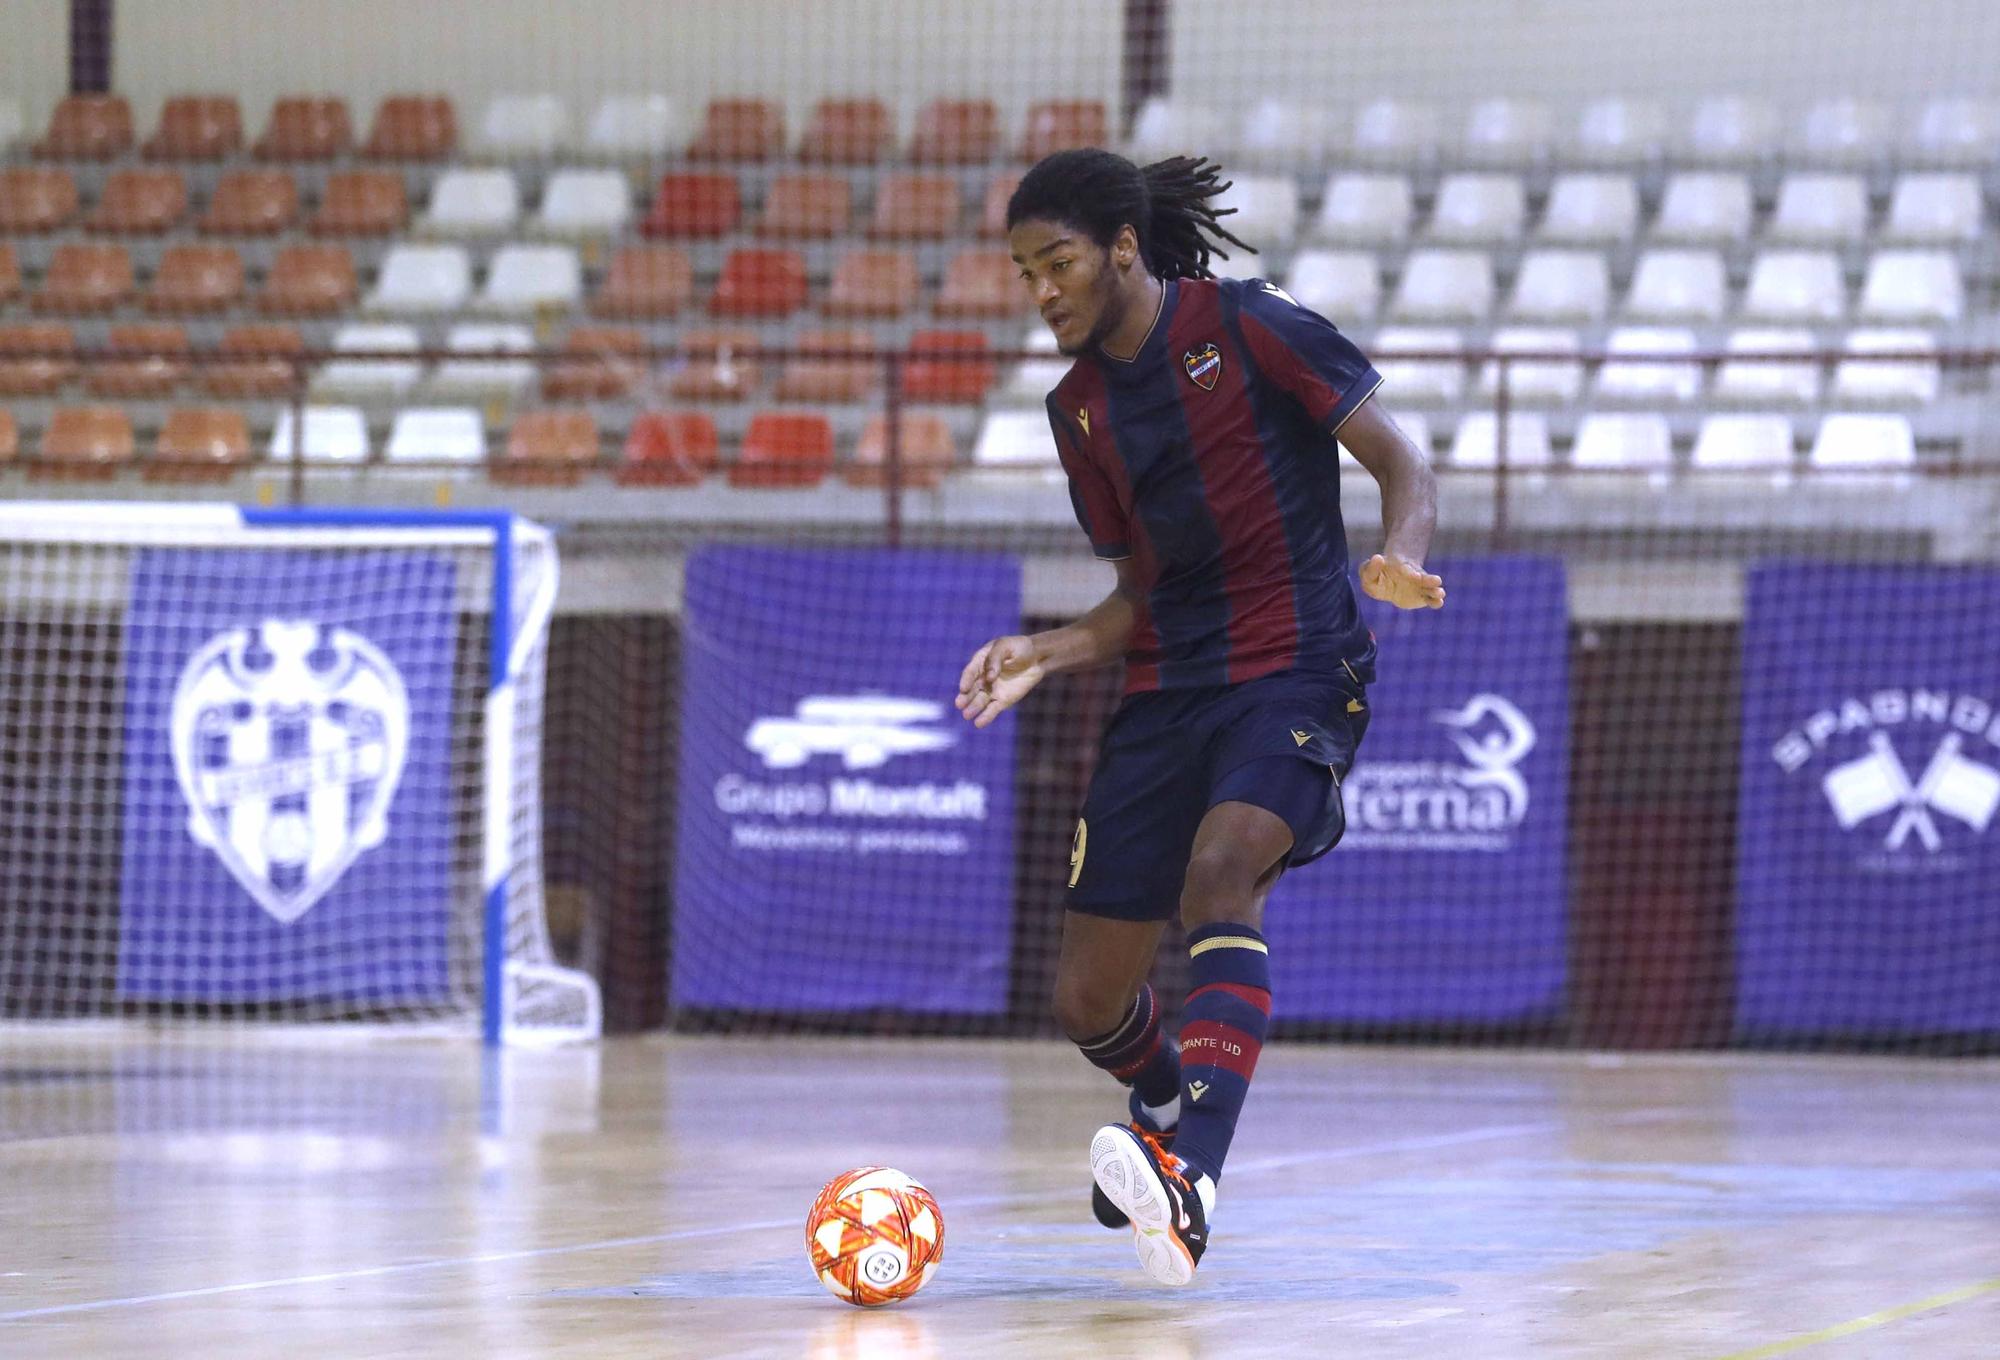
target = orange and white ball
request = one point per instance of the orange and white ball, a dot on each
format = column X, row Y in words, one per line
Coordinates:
column 874, row 1236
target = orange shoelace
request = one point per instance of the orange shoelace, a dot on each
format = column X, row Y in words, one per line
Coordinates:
column 1169, row 1163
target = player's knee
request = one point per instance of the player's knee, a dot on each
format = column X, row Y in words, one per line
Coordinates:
column 1085, row 1010
column 1222, row 880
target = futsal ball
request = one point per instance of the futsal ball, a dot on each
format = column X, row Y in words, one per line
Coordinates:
column 874, row 1236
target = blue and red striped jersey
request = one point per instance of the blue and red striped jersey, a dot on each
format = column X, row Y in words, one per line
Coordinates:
column 1209, row 459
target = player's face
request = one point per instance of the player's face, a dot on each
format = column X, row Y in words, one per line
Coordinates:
column 1072, row 280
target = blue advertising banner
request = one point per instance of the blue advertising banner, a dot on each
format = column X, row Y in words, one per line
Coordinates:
column 1867, row 860
column 1447, row 899
column 288, row 820
column 846, row 840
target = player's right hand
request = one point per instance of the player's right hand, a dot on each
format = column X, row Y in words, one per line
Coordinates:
column 999, row 676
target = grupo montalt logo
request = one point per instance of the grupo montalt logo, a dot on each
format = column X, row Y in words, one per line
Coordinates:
column 1474, row 803
column 865, row 730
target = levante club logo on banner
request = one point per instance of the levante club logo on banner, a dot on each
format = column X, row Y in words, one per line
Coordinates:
column 288, row 743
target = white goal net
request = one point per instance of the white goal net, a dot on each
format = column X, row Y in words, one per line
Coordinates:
column 276, row 767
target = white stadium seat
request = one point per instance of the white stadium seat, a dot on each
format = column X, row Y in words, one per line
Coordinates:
column 1842, row 131
column 580, row 203
column 333, row 434
column 1649, row 381
column 1954, row 131
column 1507, row 132
column 1591, row 210
column 1015, row 439
column 1281, row 135
column 1638, row 442
column 12, row 126
column 1769, row 382
column 1431, row 380
column 1562, row 285
column 535, row 125
column 1913, row 285
column 1479, row 209
column 1678, row 285
column 437, row 434
column 1445, row 285
column 1864, row 441
column 1175, row 127
column 1819, row 210
column 525, row 279
column 1731, row 130
column 473, row 203
column 635, row 127
column 1795, row 285
column 386, row 377
column 485, row 377
column 1365, row 209
column 1476, row 444
column 1267, row 209
column 1341, row 285
column 1617, row 131
column 1934, row 209
column 1704, row 208
column 1864, row 378
column 420, row 279
column 1033, row 379
column 1396, row 133
column 1535, row 382
column 1728, row 442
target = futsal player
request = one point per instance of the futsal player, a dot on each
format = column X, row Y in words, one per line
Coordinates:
column 1197, row 428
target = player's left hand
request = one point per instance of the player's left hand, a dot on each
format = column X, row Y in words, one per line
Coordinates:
column 1402, row 583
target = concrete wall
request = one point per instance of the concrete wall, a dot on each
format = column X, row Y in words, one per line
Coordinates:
column 34, row 59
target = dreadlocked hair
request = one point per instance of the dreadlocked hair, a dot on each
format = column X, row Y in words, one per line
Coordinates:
column 1169, row 204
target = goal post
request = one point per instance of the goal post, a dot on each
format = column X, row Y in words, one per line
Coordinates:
column 277, row 766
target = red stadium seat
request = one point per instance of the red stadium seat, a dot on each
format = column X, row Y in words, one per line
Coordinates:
column 548, row 448
column 1062, row 124
column 599, row 363
column 830, row 380
column 195, row 127
column 159, row 362
column 35, row 199
column 925, row 451
column 956, row 132
column 714, row 368
column 10, row 437
column 413, row 127
column 739, row 130
column 304, row 128
column 806, row 207
column 195, row 279
column 947, row 380
column 982, row 284
column 847, row 132
column 873, row 283
column 993, row 211
column 86, row 442
column 199, row 443
column 85, row 279
column 41, row 358
column 10, row 273
column 139, row 203
column 251, row 361
column 362, row 203
column 670, row 448
column 760, row 283
column 252, row 203
column 913, row 207
column 309, row 281
column 694, row 205
column 645, row 281
column 88, row 127
column 784, row 448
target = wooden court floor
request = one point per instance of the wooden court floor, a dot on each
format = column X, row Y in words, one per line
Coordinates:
column 646, row 1199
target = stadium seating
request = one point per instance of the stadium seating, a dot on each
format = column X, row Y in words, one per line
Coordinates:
column 1819, row 210
column 600, row 363
column 1935, row 209
column 1703, row 209
column 36, row 358
column 581, row 203
column 1397, row 133
column 1407, row 358
column 1623, row 441
column 252, row 362
column 1476, row 443
column 419, row 279
column 1445, row 285
column 670, row 448
column 739, row 130
column 1859, row 379
column 1861, row 442
column 873, row 283
column 760, row 283
column 362, row 203
column 529, row 126
column 157, row 367
column 198, row 442
column 925, row 450
column 1479, row 209
column 807, row 379
column 87, row 127
column 1012, row 439
column 1592, row 210
column 1953, row 132
column 488, row 379
column 955, row 132
column 196, row 128
column 1743, row 441
column 784, row 448
column 1266, row 209
column 412, row 127
column 252, row 203
column 472, row 203
column 981, row 285
column 1677, row 285
column 548, row 447
column 10, row 437
column 525, row 280
column 807, row 207
column 86, row 442
column 195, row 280
column 947, row 380
column 1535, row 382
column 377, row 378
column 138, row 203
column 332, row 434
column 85, row 279
column 1618, row 132
column 645, row 282
column 1842, row 131
column 309, row 281
column 1912, row 285
column 847, row 132
column 1765, row 382
column 1279, row 134
column 306, row 129
column 912, row 207
column 1652, row 377
column 643, row 127
column 437, row 434
column 1514, row 133
column 713, row 367
column 1060, row 124
column 1730, row 130
column 1795, row 285
column 694, row 205
column 35, row 199
column 1343, row 286
column 10, row 273
column 1561, row 285
column 1167, row 126
column 1365, row 210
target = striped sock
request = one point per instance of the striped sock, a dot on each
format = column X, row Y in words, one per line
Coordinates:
column 1135, row 1054
column 1222, row 1032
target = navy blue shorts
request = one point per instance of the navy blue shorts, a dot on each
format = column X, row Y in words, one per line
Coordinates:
column 1282, row 742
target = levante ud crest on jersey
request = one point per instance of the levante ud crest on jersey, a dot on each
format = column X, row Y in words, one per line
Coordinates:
column 1204, row 366
column 289, row 738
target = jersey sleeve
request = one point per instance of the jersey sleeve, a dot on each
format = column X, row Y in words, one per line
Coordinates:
column 1090, row 493
column 1305, row 355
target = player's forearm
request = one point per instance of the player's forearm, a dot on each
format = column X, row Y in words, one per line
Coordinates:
column 1409, row 509
column 1099, row 638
